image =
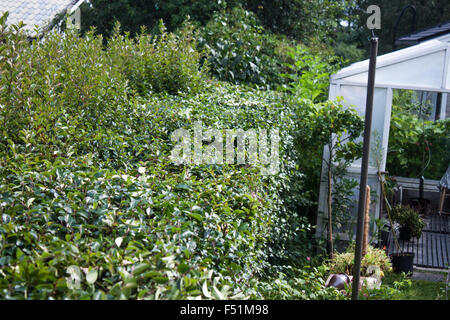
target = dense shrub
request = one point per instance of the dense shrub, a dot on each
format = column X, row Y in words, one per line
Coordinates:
column 408, row 219
column 92, row 206
column 309, row 72
column 307, row 283
column 163, row 63
column 294, row 18
column 241, row 51
column 51, row 105
column 303, row 20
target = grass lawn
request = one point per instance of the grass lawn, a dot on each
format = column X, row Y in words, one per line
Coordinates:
column 420, row 289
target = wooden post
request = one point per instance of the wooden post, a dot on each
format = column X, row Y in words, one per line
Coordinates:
column 441, row 200
column 366, row 223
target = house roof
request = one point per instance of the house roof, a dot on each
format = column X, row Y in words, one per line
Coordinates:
column 35, row 12
column 427, row 34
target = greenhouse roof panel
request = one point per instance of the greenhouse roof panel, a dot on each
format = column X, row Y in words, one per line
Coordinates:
column 422, row 66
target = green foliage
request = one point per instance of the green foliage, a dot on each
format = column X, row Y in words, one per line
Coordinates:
column 418, row 289
column 163, row 63
column 408, row 219
column 416, row 146
column 343, row 262
column 132, row 15
column 74, row 196
column 93, row 208
column 343, row 203
column 394, row 290
column 314, row 19
column 145, row 237
column 40, row 97
column 332, row 125
column 240, row 51
column 299, row 284
column 348, row 51
column 309, row 74
column 337, row 24
column 303, row 20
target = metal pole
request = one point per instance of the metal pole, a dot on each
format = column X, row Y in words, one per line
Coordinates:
column 364, row 165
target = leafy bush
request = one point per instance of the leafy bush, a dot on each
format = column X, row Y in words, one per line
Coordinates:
column 343, row 262
column 144, row 237
column 163, row 63
column 303, row 20
column 300, row 284
column 388, row 290
column 309, row 73
column 240, row 51
column 76, row 152
column 408, row 219
column 46, row 103
column 91, row 205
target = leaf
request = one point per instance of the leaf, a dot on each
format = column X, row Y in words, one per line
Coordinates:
column 183, row 267
column 99, row 295
column 74, row 249
column 152, row 274
column 196, row 216
column 74, row 279
column 182, row 186
column 29, row 202
column 92, row 275
column 140, row 268
column 161, row 280
column 243, row 227
column 19, row 253
column 205, row 291
column 218, row 294
column 141, row 170
column 118, row 241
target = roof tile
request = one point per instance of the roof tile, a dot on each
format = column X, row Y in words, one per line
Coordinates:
column 33, row 12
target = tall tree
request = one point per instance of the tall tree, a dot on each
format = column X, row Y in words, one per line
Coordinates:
column 428, row 13
column 132, row 14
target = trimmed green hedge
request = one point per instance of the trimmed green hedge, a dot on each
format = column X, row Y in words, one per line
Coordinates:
column 90, row 203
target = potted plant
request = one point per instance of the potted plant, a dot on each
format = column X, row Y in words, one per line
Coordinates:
column 401, row 261
column 411, row 224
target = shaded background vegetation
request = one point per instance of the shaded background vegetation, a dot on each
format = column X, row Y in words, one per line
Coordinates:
column 340, row 25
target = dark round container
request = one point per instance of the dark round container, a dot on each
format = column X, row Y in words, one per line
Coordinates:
column 402, row 262
column 339, row 281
